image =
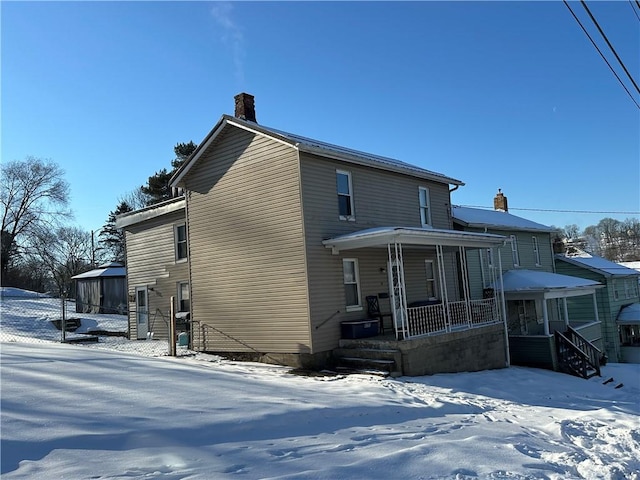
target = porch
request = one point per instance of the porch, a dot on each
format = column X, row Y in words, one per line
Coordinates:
column 441, row 320
column 464, row 350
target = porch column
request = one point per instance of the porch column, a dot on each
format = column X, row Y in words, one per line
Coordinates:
column 595, row 306
column 465, row 283
column 566, row 312
column 545, row 316
column 397, row 289
column 443, row 286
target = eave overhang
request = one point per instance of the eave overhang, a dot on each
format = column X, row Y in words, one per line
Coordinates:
column 383, row 236
column 147, row 213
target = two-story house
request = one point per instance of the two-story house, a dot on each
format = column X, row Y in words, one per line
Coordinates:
column 289, row 237
column 617, row 303
column 536, row 296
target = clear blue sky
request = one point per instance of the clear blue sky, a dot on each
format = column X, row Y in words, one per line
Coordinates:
column 508, row 95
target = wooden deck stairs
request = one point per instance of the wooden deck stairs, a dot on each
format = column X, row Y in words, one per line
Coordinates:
column 577, row 355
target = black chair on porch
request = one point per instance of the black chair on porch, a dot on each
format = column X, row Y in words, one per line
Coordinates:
column 373, row 310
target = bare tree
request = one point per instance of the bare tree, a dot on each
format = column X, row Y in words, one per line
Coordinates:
column 136, row 199
column 63, row 253
column 33, row 194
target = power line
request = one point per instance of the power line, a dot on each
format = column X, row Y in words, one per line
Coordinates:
column 558, row 210
column 603, row 57
column 610, row 46
column 634, row 10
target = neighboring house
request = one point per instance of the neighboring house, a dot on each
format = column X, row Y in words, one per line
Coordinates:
column 157, row 266
column 102, row 290
column 536, row 296
column 288, row 236
column 621, row 291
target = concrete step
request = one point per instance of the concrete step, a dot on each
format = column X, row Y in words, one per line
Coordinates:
column 368, row 353
column 363, row 371
column 369, row 359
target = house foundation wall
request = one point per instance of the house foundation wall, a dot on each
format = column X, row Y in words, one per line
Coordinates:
column 471, row 350
column 308, row 361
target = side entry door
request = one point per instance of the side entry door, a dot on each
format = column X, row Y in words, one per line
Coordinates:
column 142, row 312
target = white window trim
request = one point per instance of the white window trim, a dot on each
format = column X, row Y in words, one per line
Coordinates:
column 425, row 222
column 175, row 242
column 352, row 217
column 514, row 250
column 179, row 295
column 434, row 279
column 356, row 270
column 536, row 251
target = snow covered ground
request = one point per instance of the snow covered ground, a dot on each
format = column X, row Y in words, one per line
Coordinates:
column 81, row 412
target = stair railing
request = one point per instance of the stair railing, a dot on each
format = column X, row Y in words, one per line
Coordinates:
column 587, row 347
column 572, row 358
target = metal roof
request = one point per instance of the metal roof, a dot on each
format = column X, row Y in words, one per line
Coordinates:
column 382, row 236
column 495, row 219
column 313, row 146
column 599, row 265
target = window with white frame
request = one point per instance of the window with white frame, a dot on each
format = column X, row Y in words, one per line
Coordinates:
column 351, row 284
column 181, row 241
column 616, row 289
column 183, row 297
column 431, row 278
column 345, row 195
column 490, row 261
column 536, row 250
column 425, row 207
column 514, row 250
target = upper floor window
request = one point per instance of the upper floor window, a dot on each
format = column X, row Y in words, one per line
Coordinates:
column 514, row 250
column 490, row 262
column 351, row 284
column 536, row 251
column 181, row 241
column 425, row 207
column 345, row 195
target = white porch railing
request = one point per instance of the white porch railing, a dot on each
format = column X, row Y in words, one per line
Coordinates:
column 432, row 319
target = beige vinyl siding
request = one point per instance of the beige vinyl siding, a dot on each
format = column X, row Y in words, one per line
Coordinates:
column 246, row 242
column 151, row 263
column 380, row 199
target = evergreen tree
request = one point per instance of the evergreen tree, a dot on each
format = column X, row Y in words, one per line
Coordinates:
column 157, row 188
column 111, row 238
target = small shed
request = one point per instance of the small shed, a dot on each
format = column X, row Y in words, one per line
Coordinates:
column 102, row 290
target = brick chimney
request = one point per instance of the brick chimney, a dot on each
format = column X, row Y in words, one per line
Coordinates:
column 245, row 107
column 500, row 202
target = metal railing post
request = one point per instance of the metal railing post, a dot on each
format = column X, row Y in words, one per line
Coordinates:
column 63, row 320
column 172, row 328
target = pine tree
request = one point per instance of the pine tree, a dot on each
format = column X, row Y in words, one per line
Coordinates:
column 157, row 188
column 111, row 239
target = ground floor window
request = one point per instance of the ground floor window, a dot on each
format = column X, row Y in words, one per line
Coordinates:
column 630, row 335
column 351, row 284
column 183, row 297
column 431, row 278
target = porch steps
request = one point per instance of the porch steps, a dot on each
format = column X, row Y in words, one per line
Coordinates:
column 372, row 361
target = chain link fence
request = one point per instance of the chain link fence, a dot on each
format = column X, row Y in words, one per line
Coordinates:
column 37, row 318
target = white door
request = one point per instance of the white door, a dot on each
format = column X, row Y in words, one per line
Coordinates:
column 142, row 312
